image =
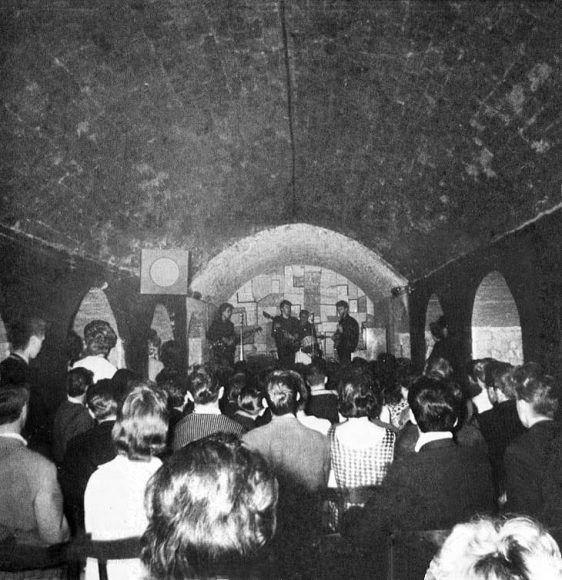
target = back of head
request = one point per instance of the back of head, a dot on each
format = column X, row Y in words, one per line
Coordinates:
column 436, row 404
column 358, row 395
column 316, row 372
column 124, row 381
column 142, row 424
column 99, row 337
column 250, row 399
column 541, row 392
column 282, row 392
column 174, row 384
column 20, row 331
column 101, row 400
column 78, row 381
column 211, row 507
column 171, row 355
column 439, row 369
column 13, row 398
column 496, row 549
column 204, row 386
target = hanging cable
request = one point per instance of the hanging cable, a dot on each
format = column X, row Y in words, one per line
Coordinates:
column 289, row 108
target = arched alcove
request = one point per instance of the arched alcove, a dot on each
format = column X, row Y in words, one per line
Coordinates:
column 496, row 329
column 282, row 246
column 95, row 306
column 433, row 312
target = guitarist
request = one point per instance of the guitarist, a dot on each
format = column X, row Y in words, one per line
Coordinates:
column 222, row 337
column 285, row 331
column 346, row 336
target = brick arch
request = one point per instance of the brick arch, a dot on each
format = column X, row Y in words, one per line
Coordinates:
column 295, row 244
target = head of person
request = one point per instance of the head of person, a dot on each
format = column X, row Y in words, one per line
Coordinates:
column 101, row 400
column 99, row 338
column 435, row 404
column 204, row 387
column 236, row 383
column 342, row 308
column 174, row 384
column 282, row 392
column 123, row 382
column 537, row 397
column 304, row 316
column 13, row 405
column 171, row 354
column 211, row 509
column 359, row 396
column 27, row 334
column 439, row 369
column 225, row 311
column 142, row 424
column 285, row 308
column 439, row 328
column 154, row 342
column 504, row 382
column 78, row 381
column 317, row 372
column 250, row 399
column 498, row 549
column 73, row 347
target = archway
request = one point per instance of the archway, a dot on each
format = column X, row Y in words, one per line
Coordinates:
column 95, row 306
column 432, row 314
column 496, row 329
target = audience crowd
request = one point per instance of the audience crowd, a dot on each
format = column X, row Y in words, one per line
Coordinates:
column 240, row 472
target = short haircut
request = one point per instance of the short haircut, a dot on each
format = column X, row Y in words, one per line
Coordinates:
column 304, row 313
column 436, row 404
column 20, row 331
column 504, row 381
column 284, row 303
column 203, row 385
column 358, row 396
column 224, row 307
column 542, row 393
column 78, row 381
column 154, row 338
column 175, row 385
column 142, row 424
column 342, row 303
column 439, row 368
column 250, row 399
column 12, row 401
column 316, row 371
column 99, row 337
column 101, row 399
column 171, row 354
column 281, row 392
column 211, row 508
column 498, row 549
column 236, row 383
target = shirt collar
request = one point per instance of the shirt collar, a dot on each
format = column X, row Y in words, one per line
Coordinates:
column 15, row 436
column 425, row 438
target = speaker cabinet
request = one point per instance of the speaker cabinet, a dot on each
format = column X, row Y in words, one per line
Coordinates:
column 164, row 272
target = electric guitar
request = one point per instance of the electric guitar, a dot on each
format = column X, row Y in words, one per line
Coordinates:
column 289, row 338
column 222, row 344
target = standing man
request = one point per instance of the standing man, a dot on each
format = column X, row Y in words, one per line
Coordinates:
column 285, row 331
column 346, row 336
column 222, row 337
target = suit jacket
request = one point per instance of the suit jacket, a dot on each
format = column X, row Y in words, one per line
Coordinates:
column 525, row 463
column 71, row 419
column 439, row 486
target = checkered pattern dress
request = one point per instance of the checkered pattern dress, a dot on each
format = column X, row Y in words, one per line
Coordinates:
column 361, row 467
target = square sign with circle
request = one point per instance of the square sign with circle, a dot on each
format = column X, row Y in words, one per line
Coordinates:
column 164, row 272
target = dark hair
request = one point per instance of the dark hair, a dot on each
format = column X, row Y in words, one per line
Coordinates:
column 12, row 401
column 154, row 338
column 542, row 393
column 283, row 303
column 174, row 384
column 101, row 400
column 304, row 312
column 203, row 385
column 170, row 354
column 73, row 346
column 20, row 331
column 123, row 382
column 437, row 326
column 439, row 368
column 223, row 307
column 236, row 383
column 316, row 371
column 250, row 398
column 436, row 404
column 78, row 381
column 281, row 392
column 211, row 508
column 142, row 424
column 99, row 337
column 342, row 303
column 358, row 396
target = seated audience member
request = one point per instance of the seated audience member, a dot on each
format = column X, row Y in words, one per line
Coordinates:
column 441, row 483
column 482, row 373
column 235, row 384
column 497, row 549
column 99, row 339
column 500, row 425
column 249, row 406
column 206, row 418
column 30, row 498
column 300, row 458
column 123, row 382
column 527, row 456
column 439, row 369
column 395, row 396
column 310, row 421
column 155, row 365
column 323, row 402
column 361, row 451
column 72, row 416
column 114, row 498
column 87, row 451
column 174, row 385
column 198, row 527
column 171, row 355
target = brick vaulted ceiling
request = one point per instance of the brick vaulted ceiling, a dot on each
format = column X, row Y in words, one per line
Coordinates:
column 421, row 129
